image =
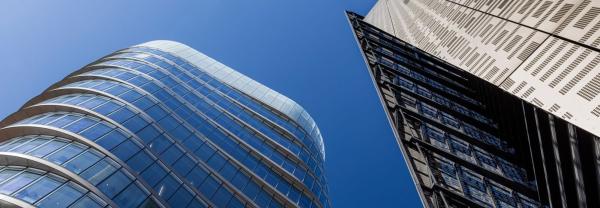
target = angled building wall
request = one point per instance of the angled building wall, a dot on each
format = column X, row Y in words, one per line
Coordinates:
column 467, row 142
column 543, row 51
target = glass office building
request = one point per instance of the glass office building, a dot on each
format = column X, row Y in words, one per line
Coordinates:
column 469, row 143
column 161, row 125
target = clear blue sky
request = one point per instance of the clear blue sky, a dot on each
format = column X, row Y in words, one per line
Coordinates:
column 303, row 49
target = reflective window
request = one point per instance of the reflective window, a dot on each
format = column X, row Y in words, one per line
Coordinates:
column 38, row 189
column 62, row 197
column 17, row 182
column 83, row 161
column 132, row 196
column 65, row 153
column 114, row 184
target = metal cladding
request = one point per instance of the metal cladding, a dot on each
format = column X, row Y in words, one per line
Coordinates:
column 467, row 142
column 546, row 52
column 161, row 125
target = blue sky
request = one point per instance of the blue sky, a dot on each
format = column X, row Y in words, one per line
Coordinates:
column 303, row 49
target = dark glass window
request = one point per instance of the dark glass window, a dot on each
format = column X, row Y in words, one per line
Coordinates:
column 125, row 150
column 167, row 186
column 153, row 174
column 156, row 112
column 171, row 155
column 184, row 165
column 221, row 197
column 181, row 198
column 95, row 131
column 209, row 186
column 228, row 171
column 240, row 180
column 132, row 196
column 216, row 161
column 114, row 184
column 140, row 161
column 148, row 133
column 251, row 190
column 143, row 103
column 160, row 144
column 111, row 139
column 85, row 202
column 135, row 123
column 121, row 115
column 197, row 176
column 205, row 152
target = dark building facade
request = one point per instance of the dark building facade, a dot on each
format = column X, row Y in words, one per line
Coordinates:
column 160, row 125
column 467, row 142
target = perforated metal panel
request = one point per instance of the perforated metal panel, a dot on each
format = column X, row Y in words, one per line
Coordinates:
column 544, row 51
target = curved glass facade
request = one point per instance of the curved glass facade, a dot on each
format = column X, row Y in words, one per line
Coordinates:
column 162, row 125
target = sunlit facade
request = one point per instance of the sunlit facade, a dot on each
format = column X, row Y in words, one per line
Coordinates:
column 161, row 125
column 467, row 142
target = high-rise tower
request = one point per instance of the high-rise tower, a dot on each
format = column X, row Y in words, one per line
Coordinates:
column 161, row 125
column 466, row 141
column 544, row 51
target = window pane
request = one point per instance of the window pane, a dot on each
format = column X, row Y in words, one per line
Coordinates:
column 184, row 165
column 143, row 103
column 107, row 108
column 156, row 112
column 48, row 148
column 153, row 174
column 111, row 140
column 30, row 145
column 131, row 95
column 209, row 186
column 140, row 161
column 121, row 115
column 130, row 197
column 167, row 187
column 85, row 202
column 114, row 184
column 160, row 144
column 222, row 197
column 64, row 121
column 6, row 174
column 17, row 182
column 181, row 198
column 98, row 172
column 148, row 134
column 83, row 161
column 196, row 203
column 96, row 131
column 37, row 190
column 217, row 161
column 125, row 150
column 197, row 176
column 171, row 155
column 62, row 197
column 65, row 154
column 135, row 123
column 82, row 124
column 91, row 104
